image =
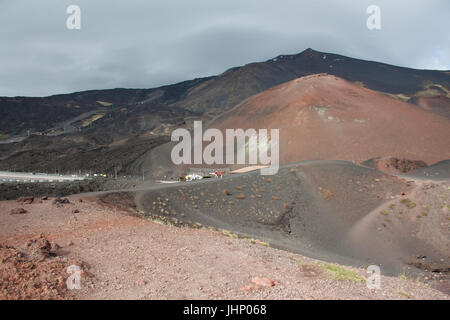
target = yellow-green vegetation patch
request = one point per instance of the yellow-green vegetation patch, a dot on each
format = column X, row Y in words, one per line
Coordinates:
column 92, row 119
column 407, row 202
column 257, row 241
column 228, row 233
column 105, row 104
column 405, row 294
column 384, row 212
column 299, row 262
column 337, row 272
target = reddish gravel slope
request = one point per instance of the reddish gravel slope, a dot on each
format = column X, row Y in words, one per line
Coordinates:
column 125, row 257
column 325, row 117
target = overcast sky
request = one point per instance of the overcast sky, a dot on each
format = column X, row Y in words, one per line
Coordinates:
column 148, row 43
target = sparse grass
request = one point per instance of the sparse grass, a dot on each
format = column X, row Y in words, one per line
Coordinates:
column 240, row 196
column 407, row 202
column 404, row 277
column 300, row 262
column 384, row 212
column 405, row 294
column 337, row 272
column 256, row 241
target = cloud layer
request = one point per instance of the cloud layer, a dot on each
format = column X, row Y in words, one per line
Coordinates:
column 144, row 44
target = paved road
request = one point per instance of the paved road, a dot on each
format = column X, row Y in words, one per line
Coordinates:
column 6, row 176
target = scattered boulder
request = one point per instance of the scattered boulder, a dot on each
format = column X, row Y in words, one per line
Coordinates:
column 25, row 200
column 59, row 201
column 76, row 211
column 18, row 211
column 40, row 247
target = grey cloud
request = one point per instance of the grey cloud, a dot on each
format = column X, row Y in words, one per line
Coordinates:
column 142, row 44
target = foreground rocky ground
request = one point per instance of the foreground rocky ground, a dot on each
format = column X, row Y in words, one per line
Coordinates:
column 125, row 257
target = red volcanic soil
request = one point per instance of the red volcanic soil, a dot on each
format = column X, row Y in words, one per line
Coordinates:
column 325, row 117
column 127, row 257
column 394, row 166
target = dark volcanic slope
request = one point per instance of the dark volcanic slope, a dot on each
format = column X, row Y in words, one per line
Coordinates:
column 438, row 171
column 237, row 84
column 312, row 207
column 67, row 155
column 426, row 88
column 20, row 114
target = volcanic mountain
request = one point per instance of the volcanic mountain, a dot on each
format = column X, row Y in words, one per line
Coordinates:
column 45, row 133
column 236, row 84
column 325, row 117
column 426, row 88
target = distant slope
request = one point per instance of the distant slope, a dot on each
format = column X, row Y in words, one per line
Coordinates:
column 237, row 84
column 326, row 117
column 426, row 88
column 19, row 114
